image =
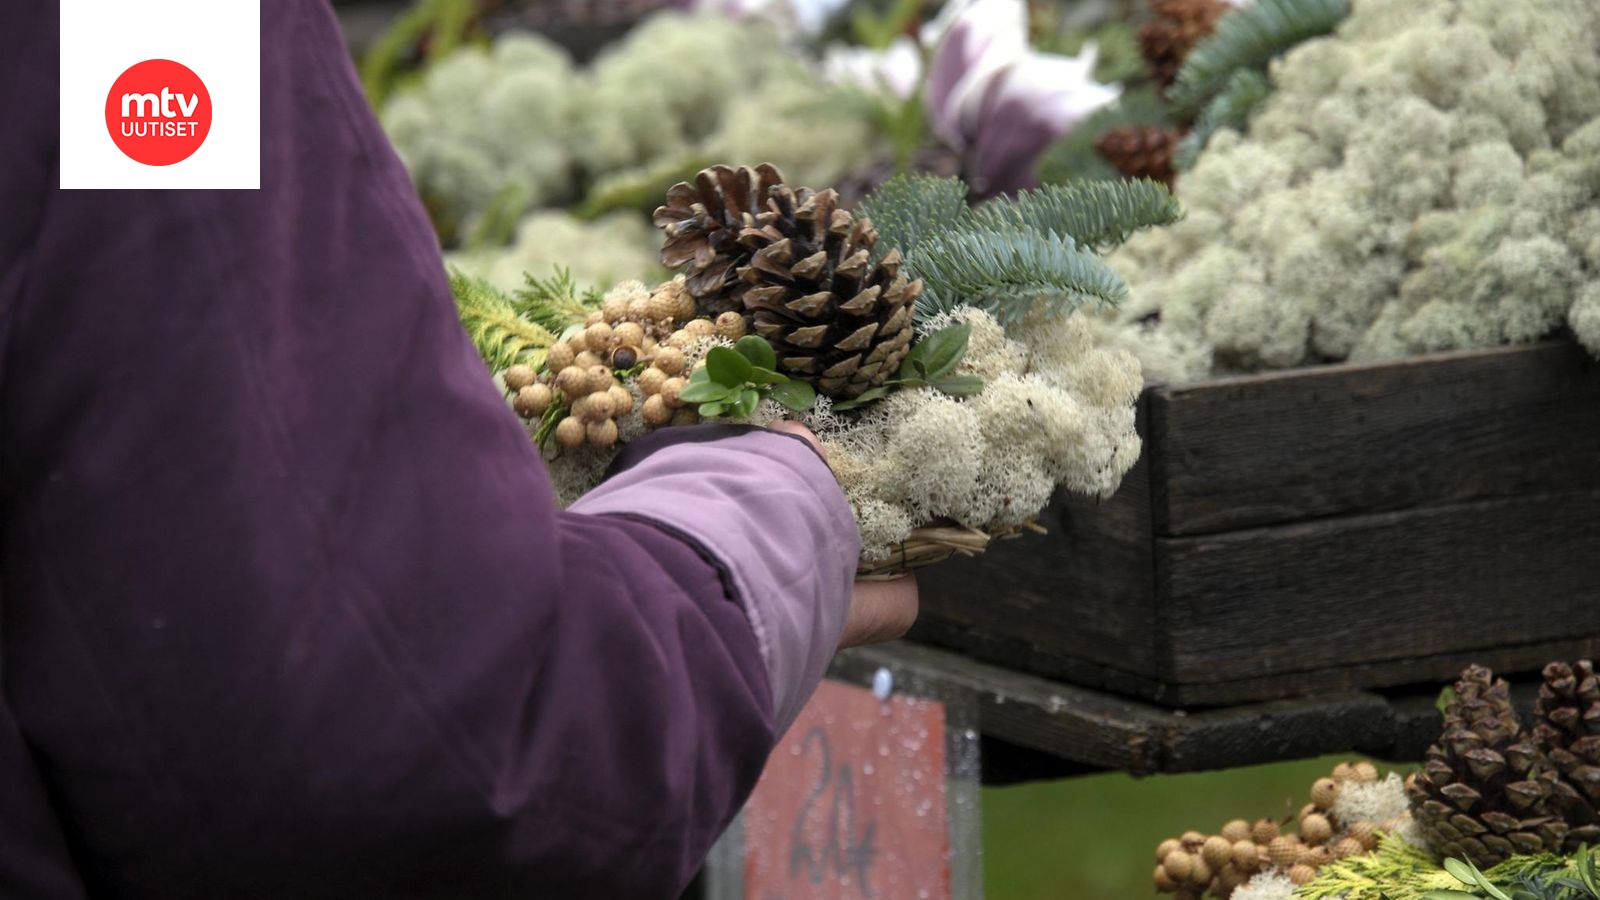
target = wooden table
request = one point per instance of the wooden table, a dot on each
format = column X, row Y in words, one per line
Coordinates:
column 1035, row 728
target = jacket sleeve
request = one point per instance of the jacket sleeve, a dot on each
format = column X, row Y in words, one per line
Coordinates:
column 289, row 608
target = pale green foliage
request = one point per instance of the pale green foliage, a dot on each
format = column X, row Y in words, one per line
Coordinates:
column 487, row 133
column 1012, row 256
column 480, row 121
column 502, row 335
column 609, row 249
column 1402, row 871
column 1249, row 38
column 1425, row 179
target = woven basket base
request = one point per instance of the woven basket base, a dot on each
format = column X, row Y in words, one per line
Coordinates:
column 935, row 544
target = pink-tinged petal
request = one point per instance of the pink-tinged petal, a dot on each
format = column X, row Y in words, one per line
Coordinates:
column 1026, row 110
column 987, row 37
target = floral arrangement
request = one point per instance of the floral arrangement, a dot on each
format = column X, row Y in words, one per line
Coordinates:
column 936, row 349
column 1498, row 810
column 1421, row 180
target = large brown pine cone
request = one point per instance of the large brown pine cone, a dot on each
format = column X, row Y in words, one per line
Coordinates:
column 798, row 268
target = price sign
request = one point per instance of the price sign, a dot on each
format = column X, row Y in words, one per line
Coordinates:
column 853, row 803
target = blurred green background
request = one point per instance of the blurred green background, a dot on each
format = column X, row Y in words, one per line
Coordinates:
column 1094, row 838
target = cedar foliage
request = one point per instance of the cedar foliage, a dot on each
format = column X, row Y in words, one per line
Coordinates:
column 503, row 335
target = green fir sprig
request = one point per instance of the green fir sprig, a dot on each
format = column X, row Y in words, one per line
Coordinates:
column 1013, row 255
column 1249, row 38
column 1232, row 108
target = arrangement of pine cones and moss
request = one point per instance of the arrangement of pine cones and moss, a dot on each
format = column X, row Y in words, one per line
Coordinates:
column 789, row 305
column 1349, row 812
column 1492, row 789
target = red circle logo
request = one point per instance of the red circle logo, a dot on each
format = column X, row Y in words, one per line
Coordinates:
column 158, row 112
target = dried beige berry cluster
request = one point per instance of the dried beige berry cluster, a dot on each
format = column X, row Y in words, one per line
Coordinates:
column 635, row 336
column 1196, row 865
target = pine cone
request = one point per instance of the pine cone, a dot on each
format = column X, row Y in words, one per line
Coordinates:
column 1141, row 151
column 1567, row 731
column 1485, row 791
column 798, row 269
column 1178, row 26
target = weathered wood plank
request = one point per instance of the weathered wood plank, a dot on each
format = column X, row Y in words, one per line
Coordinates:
column 1354, row 439
column 1079, row 598
column 1039, row 728
column 1349, row 593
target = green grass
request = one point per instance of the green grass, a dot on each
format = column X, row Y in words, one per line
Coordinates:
column 1094, row 838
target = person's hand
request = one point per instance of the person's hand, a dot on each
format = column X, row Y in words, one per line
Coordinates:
column 879, row 610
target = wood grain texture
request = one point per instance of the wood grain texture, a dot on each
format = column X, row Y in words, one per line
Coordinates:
column 1038, row 728
column 1450, row 582
column 1355, row 439
column 1079, row 598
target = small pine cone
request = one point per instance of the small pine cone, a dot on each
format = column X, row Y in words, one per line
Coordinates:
column 559, row 356
column 1246, row 856
column 1348, row 847
column 1302, row 874
column 671, row 302
column 1163, row 881
column 603, row 433
column 1141, row 151
column 1167, row 848
column 1324, row 793
column 656, row 412
column 1217, row 852
column 1177, row 27
column 570, row 432
column 650, row 380
column 1264, row 831
column 1364, row 832
column 1236, row 831
column 1284, row 851
column 1316, row 829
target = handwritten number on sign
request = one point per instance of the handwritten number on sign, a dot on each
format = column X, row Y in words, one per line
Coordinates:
column 844, row 852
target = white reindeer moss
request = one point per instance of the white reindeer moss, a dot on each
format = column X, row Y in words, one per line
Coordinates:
column 1425, row 179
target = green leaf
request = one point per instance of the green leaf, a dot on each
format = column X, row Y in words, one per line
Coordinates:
column 870, row 395
column 755, row 349
column 726, row 367
column 712, row 410
column 758, row 375
column 706, row 392
column 745, row 403
column 937, row 355
column 960, row 385
column 1449, row 895
column 795, row 395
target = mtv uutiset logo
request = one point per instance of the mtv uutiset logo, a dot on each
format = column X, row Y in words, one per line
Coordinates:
column 158, row 127
column 160, row 94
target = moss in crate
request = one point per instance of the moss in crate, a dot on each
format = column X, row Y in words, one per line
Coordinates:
column 1421, row 180
column 1092, row 836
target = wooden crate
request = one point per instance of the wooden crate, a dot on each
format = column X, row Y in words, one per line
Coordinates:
column 1316, row 530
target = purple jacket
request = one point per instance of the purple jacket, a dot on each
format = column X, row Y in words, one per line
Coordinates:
column 286, row 607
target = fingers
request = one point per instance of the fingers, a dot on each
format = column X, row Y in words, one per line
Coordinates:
column 880, row 611
column 799, row 431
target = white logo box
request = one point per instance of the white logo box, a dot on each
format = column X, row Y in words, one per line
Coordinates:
column 219, row 39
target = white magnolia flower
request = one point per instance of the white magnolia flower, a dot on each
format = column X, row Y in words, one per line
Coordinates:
column 895, row 71
column 996, row 99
